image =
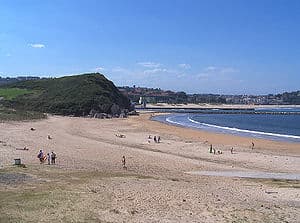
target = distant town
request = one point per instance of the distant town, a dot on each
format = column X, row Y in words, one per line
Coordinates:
column 140, row 95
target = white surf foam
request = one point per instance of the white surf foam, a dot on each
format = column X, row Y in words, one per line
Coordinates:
column 244, row 130
column 229, row 128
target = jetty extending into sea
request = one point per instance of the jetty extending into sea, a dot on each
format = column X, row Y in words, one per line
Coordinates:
column 216, row 110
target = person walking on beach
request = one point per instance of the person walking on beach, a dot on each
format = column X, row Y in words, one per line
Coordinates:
column 231, row 150
column 211, row 149
column 252, row 145
column 124, row 162
column 53, row 157
column 158, row 139
column 154, row 139
column 48, row 158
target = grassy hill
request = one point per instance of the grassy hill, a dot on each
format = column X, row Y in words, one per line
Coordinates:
column 70, row 95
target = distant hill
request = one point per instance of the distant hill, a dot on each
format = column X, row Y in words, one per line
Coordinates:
column 71, row 95
column 10, row 80
column 291, row 97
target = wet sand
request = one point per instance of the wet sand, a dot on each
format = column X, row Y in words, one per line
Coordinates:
column 246, row 174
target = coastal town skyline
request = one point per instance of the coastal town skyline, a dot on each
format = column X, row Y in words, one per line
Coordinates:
column 221, row 47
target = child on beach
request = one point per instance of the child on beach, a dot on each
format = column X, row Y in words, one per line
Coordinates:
column 48, row 158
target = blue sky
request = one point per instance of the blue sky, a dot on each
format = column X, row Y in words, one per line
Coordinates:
column 224, row 46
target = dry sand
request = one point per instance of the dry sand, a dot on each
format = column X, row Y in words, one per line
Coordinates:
column 88, row 184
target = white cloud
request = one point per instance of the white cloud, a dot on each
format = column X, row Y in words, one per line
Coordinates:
column 220, row 70
column 36, row 45
column 203, row 76
column 98, row 69
column 155, row 71
column 181, row 75
column 119, row 69
column 149, row 64
column 211, row 68
column 184, row 66
column 225, row 70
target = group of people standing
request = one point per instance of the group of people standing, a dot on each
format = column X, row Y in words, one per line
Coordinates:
column 50, row 157
column 156, row 139
column 214, row 151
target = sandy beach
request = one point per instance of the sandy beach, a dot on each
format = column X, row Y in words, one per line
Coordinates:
column 160, row 184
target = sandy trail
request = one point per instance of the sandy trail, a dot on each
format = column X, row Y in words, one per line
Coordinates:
column 163, row 191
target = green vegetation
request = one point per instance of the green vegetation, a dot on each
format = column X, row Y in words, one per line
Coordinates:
column 8, row 114
column 291, row 98
column 71, row 95
column 66, row 195
column 281, row 183
column 12, row 93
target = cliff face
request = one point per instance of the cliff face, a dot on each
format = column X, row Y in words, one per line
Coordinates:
column 71, row 95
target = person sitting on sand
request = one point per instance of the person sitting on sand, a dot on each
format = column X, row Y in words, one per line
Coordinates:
column 124, row 162
column 120, row 135
column 25, row 148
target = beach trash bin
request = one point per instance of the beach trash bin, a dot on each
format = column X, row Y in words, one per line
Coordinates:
column 18, row 161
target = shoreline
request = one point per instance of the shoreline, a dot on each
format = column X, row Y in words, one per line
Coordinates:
column 163, row 118
column 222, row 140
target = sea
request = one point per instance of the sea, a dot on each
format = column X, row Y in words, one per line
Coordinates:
column 279, row 124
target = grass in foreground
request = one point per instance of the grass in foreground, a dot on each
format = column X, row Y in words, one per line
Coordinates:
column 54, row 194
column 280, row 183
